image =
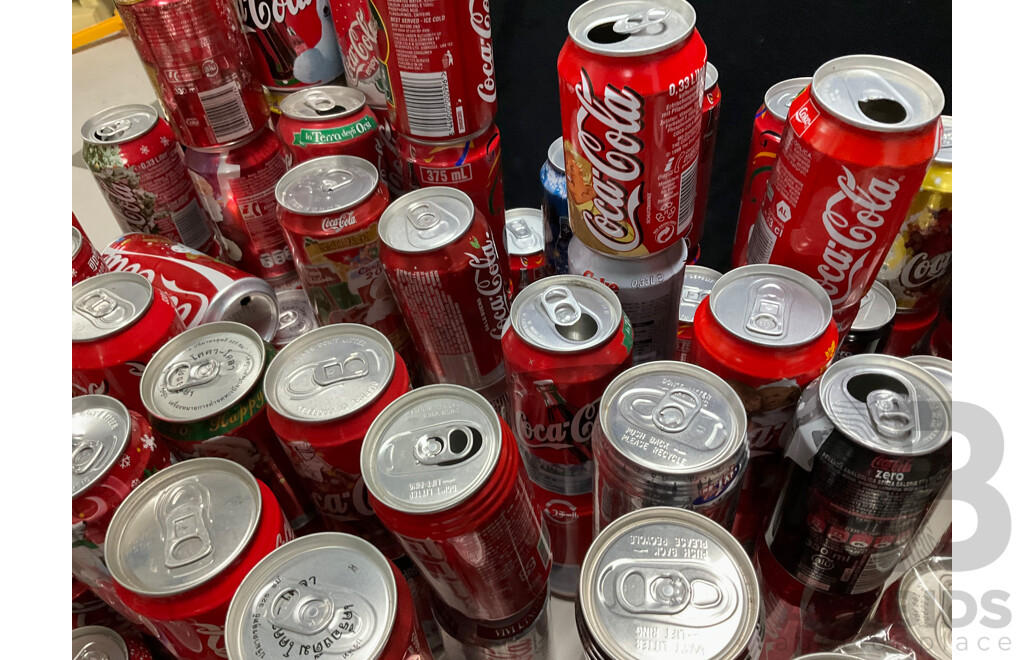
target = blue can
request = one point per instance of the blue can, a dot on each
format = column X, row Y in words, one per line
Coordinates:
column 557, row 232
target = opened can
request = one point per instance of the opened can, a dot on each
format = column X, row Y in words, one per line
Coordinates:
column 328, row 121
column 527, row 252
column 697, row 284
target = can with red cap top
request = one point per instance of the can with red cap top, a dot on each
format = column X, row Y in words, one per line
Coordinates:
column 527, row 253
column 328, row 121
column 524, row 637
column 916, row 611
column 697, row 283
column 358, row 33
column 103, row 643
column 445, row 477
column 631, row 81
column 710, row 110
column 117, row 322
column 85, row 260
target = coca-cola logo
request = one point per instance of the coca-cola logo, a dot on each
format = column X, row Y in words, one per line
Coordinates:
column 892, row 464
column 260, row 13
column 490, row 284
column 361, row 57
column 190, row 305
column 214, row 638
column 803, row 117
column 851, row 218
column 481, row 22
column 564, row 435
column 608, row 132
column 922, row 269
column 337, row 223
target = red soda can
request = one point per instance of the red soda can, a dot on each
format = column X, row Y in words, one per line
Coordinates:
column 295, row 317
column 201, row 288
column 389, row 158
column 327, row 593
column 697, row 284
column 472, row 165
column 854, row 151
column 118, row 320
column 200, row 67
column 445, row 268
column 180, row 545
column 328, row 121
column 569, row 521
column 710, row 110
column 908, row 330
column 100, row 642
column 88, row 609
column 293, row 44
column 329, row 209
column 323, row 391
column 445, row 477
column 524, row 637
column 204, row 395
column 358, row 31
column 139, row 166
column 631, row 84
column 439, row 64
column 236, row 183
column 85, row 260
column 527, row 254
column 639, row 598
column 769, row 121
column 916, row 611
column 940, row 344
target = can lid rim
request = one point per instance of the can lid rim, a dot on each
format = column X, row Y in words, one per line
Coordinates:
column 290, row 104
column 582, row 20
column 306, row 170
column 88, row 130
column 80, row 404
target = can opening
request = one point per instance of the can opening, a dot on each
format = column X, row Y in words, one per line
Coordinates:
column 583, row 329
column 605, row 33
column 860, row 387
column 334, row 108
column 884, row 111
column 245, row 301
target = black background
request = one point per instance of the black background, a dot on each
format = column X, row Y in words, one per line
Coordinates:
column 753, row 45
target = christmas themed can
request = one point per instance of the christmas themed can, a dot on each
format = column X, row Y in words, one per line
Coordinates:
column 524, row 637
column 555, row 206
column 295, row 317
column 102, row 643
column 358, row 31
column 872, row 325
column 88, row 609
column 916, row 611
column 85, row 260
column 697, row 284
column 328, row 121
column 631, row 82
column 710, row 111
column 527, row 253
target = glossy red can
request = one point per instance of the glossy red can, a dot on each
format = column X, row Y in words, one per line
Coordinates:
column 328, row 121
column 85, row 260
column 88, row 609
column 569, row 521
column 907, row 332
column 631, row 90
column 710, row 110
column 358, row 33
column 200, row 66
column 524, row 637
column 851, row 161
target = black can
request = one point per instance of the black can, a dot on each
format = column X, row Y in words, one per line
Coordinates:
column 870, row 330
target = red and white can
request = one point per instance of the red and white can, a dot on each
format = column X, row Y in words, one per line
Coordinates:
column 524, row 637
column 631, row 83
column 328, row 121
column 329, row 209
column 118, row 321
column 201, row 288
column 85, row 260
column 323, row 391
column 916, row 611
column 139, row 166
column 358, row 29
column 527, row 251
column 439, row 66
column 389, row 158
column 697, row 284
column 710, row 110
column 569, row 521
column 236, row 183
column 200, row 67
column 856, row 146
column 180, row 545
column 445, row 477
column 99, row 642
column 445, row 268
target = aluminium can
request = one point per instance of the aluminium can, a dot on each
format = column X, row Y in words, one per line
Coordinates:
column 523, row 637
column 569, row 521
column 711, row 108
column 100, row 643
column 358, row 34
column 295, row 317
column 328, row 121
column 88, row 609
column 697, row 284
column 527, row 250
column 555, row 206
column 916, row 611
column 873, row 323
column 85, row 260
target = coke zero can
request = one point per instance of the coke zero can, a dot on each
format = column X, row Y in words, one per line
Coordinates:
column 697, row 284
column 328, row 121
column 710, row 110
column 358, row 32
column 872, row 325
column 527, row 252
column 555, row 207
column 524, row 637
column 105, row 644
column 295, row 317
column 85, row 261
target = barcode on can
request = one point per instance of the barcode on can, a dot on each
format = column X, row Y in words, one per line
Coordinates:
column 428, row 104
column 687, row 193
column 192, row 225
column 226, row 113
column 762, row 242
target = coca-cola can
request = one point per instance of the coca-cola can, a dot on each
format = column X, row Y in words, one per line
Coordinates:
column 872, row 325
column 118, row 321
column 445, row 477
column 91, row 642
column 323, row 391
column 328, row 121
column 200, row 67
column 524, row 637
column 329, row 209
column 631, row 82
column 181, row 543
column 555, row 206
column 439, row 66
column 855, row 148
column 649, row 288
column 569, row 521
column 88, row 609
column 940, row 342
column 639, row 598
column 769, row 120
column 389, row 158
column 908, row 332
column 710, row 110
column 140, row 168
column 236, row 183
column 916, row 611
column 85, row 260
column 527, row 252
column 420, row 591
column 201, row 288
column 445, row 268
column 204, row 394
column 697, row 284
column 358, row 29
column 295, row 317
column 326, row 593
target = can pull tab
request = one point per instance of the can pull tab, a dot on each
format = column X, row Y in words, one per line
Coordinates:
column 302, row 609
column 767, row 314
column 85, row 454
column 455, row 446
column 191, row 374
column 676, row 410
column 694, row 294
column 524, row 237
column 696, row 595
column 891, row 413
column 946, row 600
column 180, row 509
column 334, row 179
column 561, row 306
column 332, row 371
column 320, row 103
column 112, row 130
column 641, row 21
column 91, row 651
column 287, row 319
column 104, row 308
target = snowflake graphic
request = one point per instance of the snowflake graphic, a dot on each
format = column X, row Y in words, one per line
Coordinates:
column 144, row 149
column 164, row 141
column 135, row 483
column 148, row 442
column 126, row 460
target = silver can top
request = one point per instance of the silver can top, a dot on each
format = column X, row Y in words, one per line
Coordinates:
column 945, row 155
column 426, row 219
column 250, row 301
column 941, row 368
column 566, row 314
column 887, row 404
column 877, row 93
column 119, row 124
column 329, row 184
column 556, row 154
column 183, row 526
column 325, row 587
column 926, row 604
column 697, row 284
column 630, row 28
column 295, row 316
column 524, row 232
column 100, row 430
column 76, row 241
column 660, row 582
column 770, row 305
column 862, row 649
column 329, row 373
column 107, row 304
column 431, row 449
column 203, row 371
column 780, row 96
column 672, row 417
column 877, row 307
column 710, row 77
column 97, row 643
column 323, row 102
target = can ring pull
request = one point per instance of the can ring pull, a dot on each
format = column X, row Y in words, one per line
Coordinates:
column 191, row 374
column 524, row 237
column 104, row 308
column 767, row 315
column 659, row 588
column 638, row 22
column 331, row 371
column 649, row 590
column 335, row 178
column 423, row 216
column 301, row 609
column 92, row 651
column 112, row 130
column 890, row 412
column 180, row 509
column 85, row 454
column 454, row 447
column 561, row 306
column 287, row 319
column 676, row 410
column 319, row 102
